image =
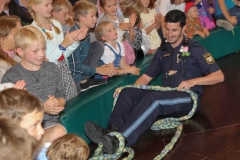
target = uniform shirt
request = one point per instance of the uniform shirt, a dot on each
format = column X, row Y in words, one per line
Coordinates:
column 199, row 63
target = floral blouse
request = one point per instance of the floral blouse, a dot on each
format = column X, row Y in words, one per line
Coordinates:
column 193, row 26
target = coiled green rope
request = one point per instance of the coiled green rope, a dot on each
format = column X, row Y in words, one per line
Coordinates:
column 121, row 149
column 166, row 123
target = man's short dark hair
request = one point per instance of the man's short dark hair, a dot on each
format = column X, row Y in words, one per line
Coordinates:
column 175, row 16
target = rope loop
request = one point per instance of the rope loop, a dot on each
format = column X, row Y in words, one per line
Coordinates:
column 98, row 154
column 166, row 123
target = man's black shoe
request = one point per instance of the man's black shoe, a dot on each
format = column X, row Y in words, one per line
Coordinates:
column 110, row 144
column 96, row 133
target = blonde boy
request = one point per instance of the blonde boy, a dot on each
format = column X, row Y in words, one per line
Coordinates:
column 42, row 78
column 15, row 142
column 61, row 12
column 83, row 62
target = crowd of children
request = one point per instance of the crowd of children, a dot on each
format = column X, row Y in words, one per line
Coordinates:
column 67, row 49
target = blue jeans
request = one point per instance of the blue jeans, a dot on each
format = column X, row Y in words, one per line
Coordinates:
column 235, row 11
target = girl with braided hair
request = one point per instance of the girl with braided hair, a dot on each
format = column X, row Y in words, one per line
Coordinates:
column 58, row 46
column 68, row 147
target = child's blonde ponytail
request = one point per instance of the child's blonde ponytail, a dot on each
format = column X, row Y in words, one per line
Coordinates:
column 56, row 29
column 49, row 36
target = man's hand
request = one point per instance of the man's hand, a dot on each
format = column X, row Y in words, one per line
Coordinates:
column 133, row 70
column 51, row 106
column 185, row 85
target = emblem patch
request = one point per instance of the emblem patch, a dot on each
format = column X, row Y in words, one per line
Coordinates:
column 209, row 59
column 166, row 55
column 172, row 72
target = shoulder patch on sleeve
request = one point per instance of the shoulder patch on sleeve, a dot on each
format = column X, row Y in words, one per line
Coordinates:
column 209, row 59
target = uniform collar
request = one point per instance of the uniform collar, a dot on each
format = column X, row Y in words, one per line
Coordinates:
column 178, row 47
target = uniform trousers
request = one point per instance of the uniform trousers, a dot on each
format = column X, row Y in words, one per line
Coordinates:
column 137, row 109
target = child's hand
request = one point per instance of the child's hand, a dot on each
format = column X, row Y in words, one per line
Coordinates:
column 133, row 70
column 110, row 65
column 140, row 25
column 125, row 26
column 237, row 3
column 197, row 1
column 233, row 20
column 206, row 32
column 51, row 106
column 83, row 33
column 2, row 3
column 201, row 34
column 70, row 38
column 105, row 70
column 132, row 19
column 189, row 36
column 211, row 10
column 20, row 84
column 158, row 18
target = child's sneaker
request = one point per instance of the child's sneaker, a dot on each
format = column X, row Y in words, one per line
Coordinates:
column 225, row 24
column 91, row 82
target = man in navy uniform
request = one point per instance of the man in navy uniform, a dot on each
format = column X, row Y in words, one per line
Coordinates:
column 183, row 63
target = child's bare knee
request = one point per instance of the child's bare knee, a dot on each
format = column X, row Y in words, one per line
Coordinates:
column 53, row 133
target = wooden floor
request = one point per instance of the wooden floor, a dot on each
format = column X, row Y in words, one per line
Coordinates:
column 211, row 134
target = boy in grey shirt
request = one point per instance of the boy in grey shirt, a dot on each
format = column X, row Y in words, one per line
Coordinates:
column 42, row 78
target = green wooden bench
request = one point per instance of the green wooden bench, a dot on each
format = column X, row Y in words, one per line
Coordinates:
column 96, row 103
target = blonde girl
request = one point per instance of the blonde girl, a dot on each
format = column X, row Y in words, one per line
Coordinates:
column 151, row 22
column 113, row 54
column 110, row 9
column 68, row 147
column 8, row 57
column 58, row 46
